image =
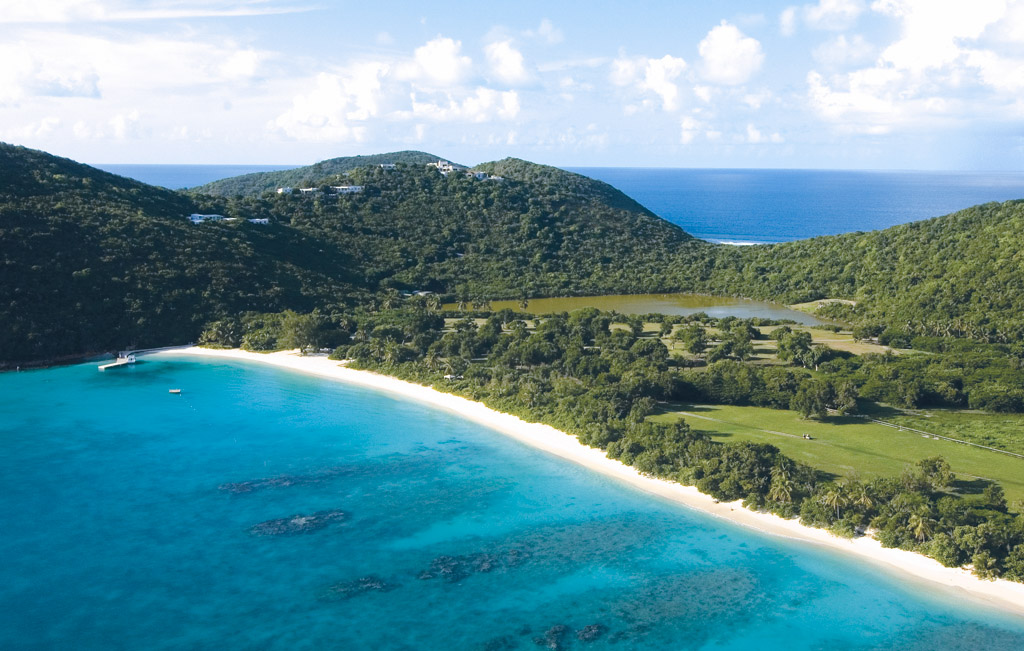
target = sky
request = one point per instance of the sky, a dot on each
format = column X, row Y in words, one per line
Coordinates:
column 833, row 84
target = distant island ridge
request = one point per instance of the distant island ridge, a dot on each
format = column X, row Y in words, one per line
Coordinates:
column 735, row 206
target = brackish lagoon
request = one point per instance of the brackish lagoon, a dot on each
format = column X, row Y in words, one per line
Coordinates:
column 264, row 509
column 677, row 304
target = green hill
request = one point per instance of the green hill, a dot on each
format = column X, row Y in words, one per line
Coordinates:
column 91, row 261
column 956, row 275
column 310, row 175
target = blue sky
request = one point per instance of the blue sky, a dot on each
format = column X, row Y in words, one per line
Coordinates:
column 861, row 84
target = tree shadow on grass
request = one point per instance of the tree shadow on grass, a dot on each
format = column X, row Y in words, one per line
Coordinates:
column 970, row 486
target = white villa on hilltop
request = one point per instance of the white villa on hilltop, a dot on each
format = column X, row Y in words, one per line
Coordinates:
column 347, row 189
column 196, row 218
column 387, row 166
column 444, row 167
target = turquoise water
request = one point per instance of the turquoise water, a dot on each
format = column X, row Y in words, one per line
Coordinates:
column 134, row 518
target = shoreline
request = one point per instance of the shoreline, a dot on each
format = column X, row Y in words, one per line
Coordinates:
column 1005, row 595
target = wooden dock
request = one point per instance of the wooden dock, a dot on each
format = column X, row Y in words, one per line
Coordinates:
column 124, row 360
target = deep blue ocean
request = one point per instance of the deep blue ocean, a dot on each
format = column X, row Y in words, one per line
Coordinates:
column 739, row 206
column 744, row 206
column 263, row 509
column 178, row 177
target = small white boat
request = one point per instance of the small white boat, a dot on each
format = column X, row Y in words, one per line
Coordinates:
column 175, row 391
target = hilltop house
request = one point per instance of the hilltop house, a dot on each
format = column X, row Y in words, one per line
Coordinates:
column 196, row 218
column 444, row 167
column 259, row 220
column 285, row 190
column 387, row 166
column 347, row 189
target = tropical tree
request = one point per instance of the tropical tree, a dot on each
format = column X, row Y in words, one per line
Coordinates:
column 921, row 524
column 834, row 498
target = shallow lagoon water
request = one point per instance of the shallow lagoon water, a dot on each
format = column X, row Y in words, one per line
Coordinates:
column 679, row 304
column 132, row 521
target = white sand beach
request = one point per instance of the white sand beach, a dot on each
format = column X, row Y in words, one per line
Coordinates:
column 914, row 567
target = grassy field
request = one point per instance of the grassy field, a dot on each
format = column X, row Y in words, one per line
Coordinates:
column 843, row 446
column 1003, row 431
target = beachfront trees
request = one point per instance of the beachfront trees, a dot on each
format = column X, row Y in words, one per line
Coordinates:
column 834, row 498
column 921, row 524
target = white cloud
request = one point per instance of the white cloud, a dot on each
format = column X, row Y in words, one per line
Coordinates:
column 756, row 137
column 688, row 130
column 787, row 21
column 32, row 131
column 651, row 75
column 484, row 105
column 328, row 111
column 125, row 125
column 842, row 51
column 729, row 57
column 866, row 106
column 757, row 100
column 547, row 32
column 439, row 63
column 506, row 62
column 659, row 76
column 935, row 72
column 932, row 30
column 833, row 14
column 242, row 64
column 1001, row 73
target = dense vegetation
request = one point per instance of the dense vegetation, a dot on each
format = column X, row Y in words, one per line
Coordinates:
column 556, row 233
column 599, row 377
column 123, row 266
column 309, row 175
column 950, row 276
column 90, row 261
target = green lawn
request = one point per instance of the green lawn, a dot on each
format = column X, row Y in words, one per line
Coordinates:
column 843, row 446
column 1003, row 431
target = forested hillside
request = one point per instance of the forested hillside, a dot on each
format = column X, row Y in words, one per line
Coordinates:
column 958, row 275
column 90, row 261
column 93, row 261
column 554, row 233
column 310, row 175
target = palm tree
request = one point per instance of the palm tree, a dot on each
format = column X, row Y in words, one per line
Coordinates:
column 921, row 524
column 390, row 299
column 432, row 361
column 391, row 353
column 834, row 498
column 781, row 489
column 860, row 495
column 433, row 302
